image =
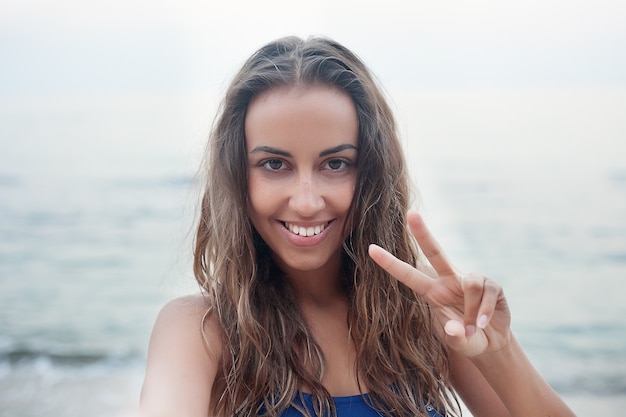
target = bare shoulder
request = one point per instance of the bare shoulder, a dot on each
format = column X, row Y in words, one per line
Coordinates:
column 183, row 358
column 186, row 307
column 187, row 304
column 189, row 318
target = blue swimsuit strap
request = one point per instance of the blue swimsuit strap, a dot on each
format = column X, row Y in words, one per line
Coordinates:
column 346, row 406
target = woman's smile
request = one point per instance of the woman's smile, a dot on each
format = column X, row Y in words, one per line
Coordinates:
column 306, row 234
column 304, row 230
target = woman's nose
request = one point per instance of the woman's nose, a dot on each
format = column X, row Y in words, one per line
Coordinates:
column 306, row 199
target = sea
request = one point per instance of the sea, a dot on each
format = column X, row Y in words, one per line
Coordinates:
column 98, row 199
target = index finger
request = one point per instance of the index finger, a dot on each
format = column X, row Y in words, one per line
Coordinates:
column 429, row 246
column 402, row 271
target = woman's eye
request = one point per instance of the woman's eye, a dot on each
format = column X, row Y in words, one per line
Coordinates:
column 273, row 164
column 337, row 164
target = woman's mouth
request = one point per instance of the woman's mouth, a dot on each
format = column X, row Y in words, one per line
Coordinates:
column 305, row 231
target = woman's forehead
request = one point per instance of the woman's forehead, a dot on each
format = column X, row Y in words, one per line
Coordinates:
column 296, row 116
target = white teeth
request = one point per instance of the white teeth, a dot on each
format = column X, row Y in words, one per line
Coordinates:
column 305, row 231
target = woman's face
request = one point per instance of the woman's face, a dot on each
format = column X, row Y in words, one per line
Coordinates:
column 301, row 146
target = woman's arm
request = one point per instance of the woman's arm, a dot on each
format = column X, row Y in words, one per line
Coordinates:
column 510, row 375
column 473, row 388
column 516, row 381
column 180, row 369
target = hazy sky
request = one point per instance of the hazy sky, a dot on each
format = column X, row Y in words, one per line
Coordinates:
column 82, row 46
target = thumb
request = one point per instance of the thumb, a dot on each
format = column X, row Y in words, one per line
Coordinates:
column 455, row 336
column 459, row 341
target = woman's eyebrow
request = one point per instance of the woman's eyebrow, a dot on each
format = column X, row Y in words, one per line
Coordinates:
column 274, row 151
column 338, row 149
column 269, row 149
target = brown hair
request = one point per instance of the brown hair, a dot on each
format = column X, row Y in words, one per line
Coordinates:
column 269, row 351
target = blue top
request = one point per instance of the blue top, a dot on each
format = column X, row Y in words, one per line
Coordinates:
column 350, row 406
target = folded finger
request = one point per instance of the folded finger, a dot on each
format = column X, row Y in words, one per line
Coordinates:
column 473, row 286
column 492, row 292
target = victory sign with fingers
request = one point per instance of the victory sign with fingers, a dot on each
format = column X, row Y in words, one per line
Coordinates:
column 471, row 309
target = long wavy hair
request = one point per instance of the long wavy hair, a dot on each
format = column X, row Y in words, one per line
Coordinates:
column 269, row 352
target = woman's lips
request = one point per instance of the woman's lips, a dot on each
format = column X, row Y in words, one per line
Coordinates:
column 305, row 231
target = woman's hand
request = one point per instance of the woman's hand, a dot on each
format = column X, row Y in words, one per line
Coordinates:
column 471, row 308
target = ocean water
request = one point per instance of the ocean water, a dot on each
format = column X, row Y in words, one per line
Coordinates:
column 97, row 202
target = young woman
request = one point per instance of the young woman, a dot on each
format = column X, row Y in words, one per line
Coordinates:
column 302, row 311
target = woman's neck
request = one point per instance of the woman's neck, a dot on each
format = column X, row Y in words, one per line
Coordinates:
column 321, row 286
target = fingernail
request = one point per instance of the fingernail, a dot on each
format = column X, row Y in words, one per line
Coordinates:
column 470, row 330
column 483, row 321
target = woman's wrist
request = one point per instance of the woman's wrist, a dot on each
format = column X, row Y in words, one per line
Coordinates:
column 518, row 384
column 505, row 349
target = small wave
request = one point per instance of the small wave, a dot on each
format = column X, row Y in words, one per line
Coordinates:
column 7, row 180
column 618, row 178
column 170, row 181
column 616, row 257
column 580, row 340
column 592, row 383
column 28, row 357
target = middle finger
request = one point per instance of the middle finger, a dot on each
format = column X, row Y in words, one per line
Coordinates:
column 429, row 246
